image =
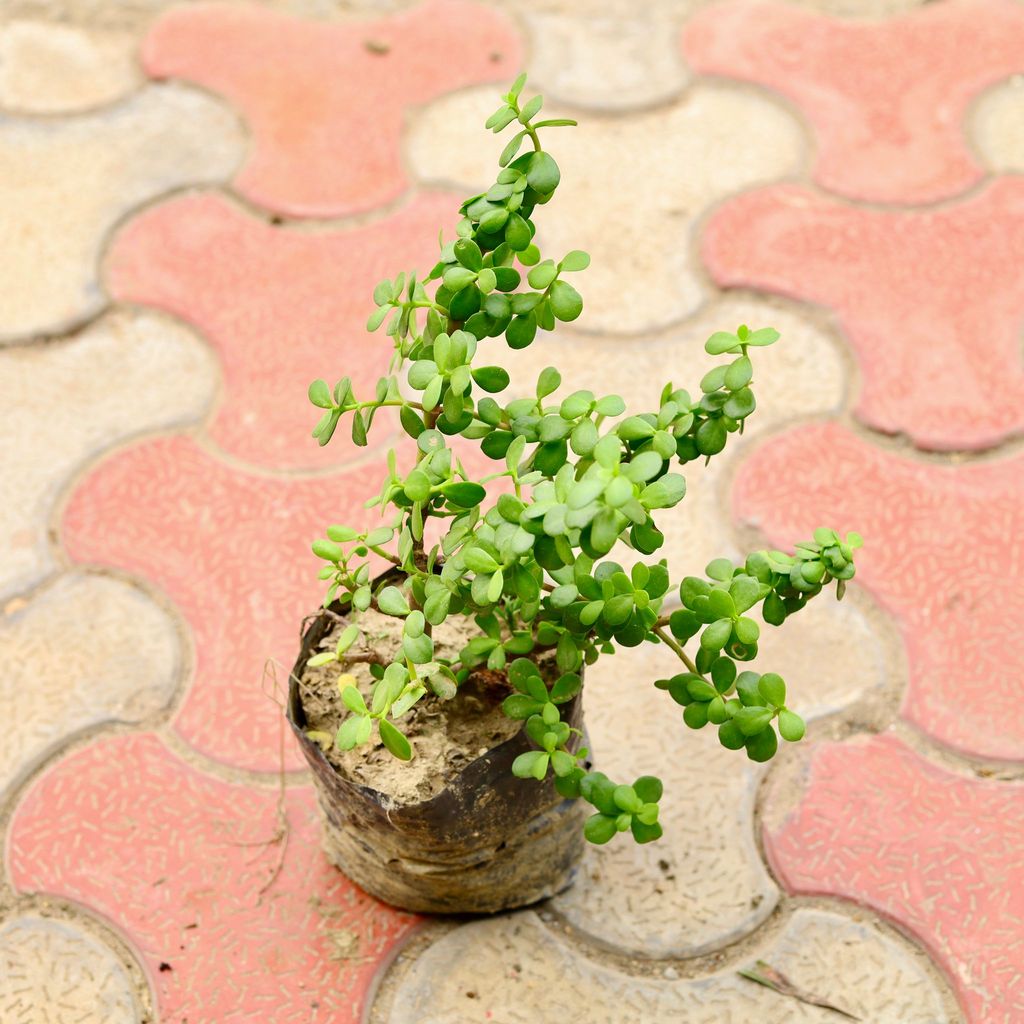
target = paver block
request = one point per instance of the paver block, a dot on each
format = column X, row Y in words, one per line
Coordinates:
column 49, row 68
column 231, row 924
column 87, row 650
column 631, row 188
column 54, row 972
column 602, row 54
column 281, row 306
column 938, row 555
column 64, row 403
column 937, row 852
column 325, row 101
column 67, row 182
column 886, row 98
column 231, row 550
column 514, row 970
column 930, row 300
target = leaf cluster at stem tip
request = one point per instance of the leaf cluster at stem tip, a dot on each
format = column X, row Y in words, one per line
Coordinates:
column 576, row 477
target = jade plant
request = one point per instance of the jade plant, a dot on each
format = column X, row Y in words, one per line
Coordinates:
column 530, row 566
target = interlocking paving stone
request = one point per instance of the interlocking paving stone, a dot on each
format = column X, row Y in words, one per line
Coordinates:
column 603, row 54
column 231, row 925
column 231, row 550
column 281, row 306
column 996, row 126
column 86, row 650
column 937, row 852
column 886, row 98
column 325, row 101
column 937, row 544
column 631, row 189
column 67, row 181
column 130, row 372
column 48, row 68
column 702, row 885
column 54, row 972
column 913, row 291
column 514, row 970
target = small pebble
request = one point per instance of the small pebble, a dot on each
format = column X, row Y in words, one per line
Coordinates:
column 671, row 973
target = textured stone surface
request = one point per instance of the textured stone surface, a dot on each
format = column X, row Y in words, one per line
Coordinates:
column 186, row 866
column 54, row 972
column 599, row 54
column 325, row 102
column 231, row 549
column 914, row 293
column 703, row 885
column 937, row 852
column 996, row 126
column 66, row 183
column 131, row 372
column 632, row 189
column 46, row 68
column 886, row 98
column 959, row 617
column 281, row 307
column 86, row 650
column 531, row 975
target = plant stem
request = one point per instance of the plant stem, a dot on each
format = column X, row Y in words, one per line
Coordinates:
column 665, row 638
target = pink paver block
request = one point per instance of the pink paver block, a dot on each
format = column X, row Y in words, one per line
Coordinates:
column 231, row 549
column 939, row 853
column 325, row 101
column 177, row 859
column 886, row 99
column 932, row 301
column 282, row 306
column 941, row 552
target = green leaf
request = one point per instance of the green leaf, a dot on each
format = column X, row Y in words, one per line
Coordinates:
column 575, row 260
column 664, row 492
column 532, row 764
column 599, row 829
column 359, row 429
column 350, row 732
column 324, row 658
column 740, row 404
column 467, row 252
column 747, row 631
column 464, row 493
column 435, row 608
column 751, row 720
column 320, row 394
column 548, row 381
column 739, row 374
column 531, row 109
column 511, row 149
column 519, row 706
column 376, row 318
column 716, row 636
column 773, row 689
column 566, row 302
column 391, row 601
column 328, row 550
column 765, row 336
column 395, row 741
column 719, row 342
column 478, row 560
column 763, row 746
column 517, row 233
column 791, row 725
column 491, row 378
column 542, row 173
column 542, row 275
column 417, row 486
column 353, row 700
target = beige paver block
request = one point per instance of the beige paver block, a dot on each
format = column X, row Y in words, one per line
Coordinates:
column 632, row 187
column 54, row 972
column 514, row 970
column 996, row 125
column 89, row 649
column 65, row 182
column 129, row 373
column 606, row 54
column 47, row 68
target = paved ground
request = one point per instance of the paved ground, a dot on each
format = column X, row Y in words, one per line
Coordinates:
column 196, row 201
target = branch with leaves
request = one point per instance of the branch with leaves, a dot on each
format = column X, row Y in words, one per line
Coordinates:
column 532, row 568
